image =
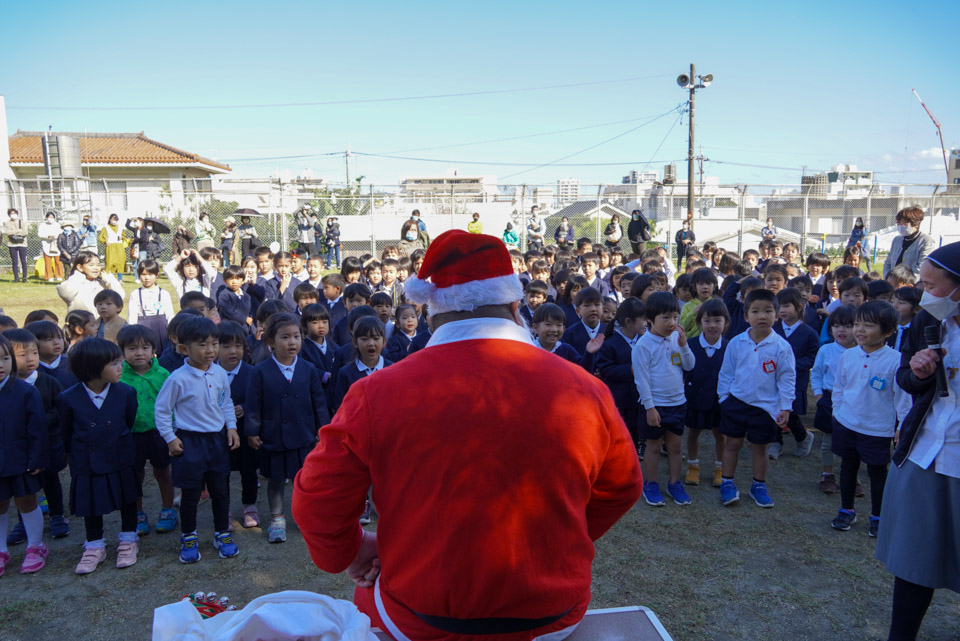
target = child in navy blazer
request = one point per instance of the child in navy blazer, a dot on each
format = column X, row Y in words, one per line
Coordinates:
column 355, row 295
column 733, row 297
column 282, row 284
column 548, row 324
column 243, row 459
column 232, row 302
column 317, row 348
column 700, row 387
column 50, row 346
column 285, row 407
column 347, row 352
column 805, row 343
column 368, row 335
column 257, row 348
column 333, row 286
column 406, row 330
column 615, row 364
column 24, row 444
column 96, row 417
column 589, row 304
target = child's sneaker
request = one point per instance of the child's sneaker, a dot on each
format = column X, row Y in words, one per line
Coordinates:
column 250, row 516
column 167, row 521
column 758, row 492
column 828, row 484
column 678, row 494
column 652, row 495
column 874, row 526
column 59, row 527
column 728, row 492
column 4, row 561
column 774, row 451
column 845, row 518
column 693, row 474
column 805, row 446
column 92, row 557
column 224, row 543
column 717, row 476
column 44, row 506
column 641, row 448
column 127, row 553
column 366, row 517
column 143, row 523
column 277, row 532
column 17, row 535
column 189, row 548
column 35, row 559
column 179, row 497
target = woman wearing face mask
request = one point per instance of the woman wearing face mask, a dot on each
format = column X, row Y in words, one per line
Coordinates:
column 112, row 236
column 770, row 231
column 15, row 229
column 918, row 539
column 638, row 231
column 911, row 246
column 410, row 237
column 48, row 232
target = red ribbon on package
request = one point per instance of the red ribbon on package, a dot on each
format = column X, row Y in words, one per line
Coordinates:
column 769, row 367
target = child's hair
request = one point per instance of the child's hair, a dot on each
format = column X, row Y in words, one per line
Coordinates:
column 617, row 271
column 751, row 252
column 262, row 250
column 774, row 268
column 854, row 283
column 794, row 245
column 390, row 249
column 314, row 312
column 174, row 325
column 549, row 312
column 334, row 280
column 192, row 297
column 800, row 281
column 232, row 332
column 369, row 327
column 760, row 295
column 713, row 307
column 742, row 269
column 108, row 295
column 381, row 298
column 709, row 246
column 43, row 314
column 417, row 254
column 587, row 296
column 590, row 257
column 902, row 273
column 190, row 260
column 281, row 256
column 210, row 252
column 196, row 329
column 90, row 356
column 390, row 262
column 20, row 337
column 818, row 259
column 549, row 251
column 402, row 308
column 705, row 276
column 750, row 283
column 881, row 313
column 577, row 281
column 233, row 271
column 790, row 296
column 8, row 323
column 682, row 282
column 249, row 260
column 626, row 283
column 531, row 254
column 843, row 272
column 350, row 265
column 650, row 266
column 775, row 243
column 872, row 276
column 844, row 315
column 7, row 348
column 695, row 264
column 728, row 262
column 373, row 266
column 284, row 319
column 910, row 295
column 540, row 265
column 354, row 290
column 267, row 309
column 133, row 334
column 318, row 258
column 659, row 303
column 305, row 290
column 148, row 266
column 629, row 308
column 536, row 287
column 853, row 250
column 404, row 263
column 878, row 288
column 584, row 242
column 299, row 252
column 44, row 330
column 359, row 312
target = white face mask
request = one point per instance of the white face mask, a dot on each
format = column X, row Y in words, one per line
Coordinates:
column 14, row 217
column 149, row 227
column 905, row 230
column 940, row 307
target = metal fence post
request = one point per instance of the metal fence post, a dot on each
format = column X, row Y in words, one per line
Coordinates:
column 599, row 193
column 373, row 226
column 523, row 216
column 805, row 229
column 669, row 243
column 741, row 214
column 933, row 207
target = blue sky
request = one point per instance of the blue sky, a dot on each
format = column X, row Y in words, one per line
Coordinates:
column 814, row 83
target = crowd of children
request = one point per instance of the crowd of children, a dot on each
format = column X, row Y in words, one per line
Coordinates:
column 263, row 352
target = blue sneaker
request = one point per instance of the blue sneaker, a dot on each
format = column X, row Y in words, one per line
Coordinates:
column 17, row 535
column 678, row 494
column 167, row 522
column 59, row 527
column 189, row 548
column 652, row 495
column 874, row 530
column 143, row 523
column 44, row 508
column 758, row 491
column 844, row 519
column 224, row 543
column 728, row 492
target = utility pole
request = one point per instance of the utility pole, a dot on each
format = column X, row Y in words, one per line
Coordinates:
column 693, row 94
column 346, row 159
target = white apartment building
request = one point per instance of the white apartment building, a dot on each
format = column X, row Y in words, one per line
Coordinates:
column 473, row 188
column 568, row 191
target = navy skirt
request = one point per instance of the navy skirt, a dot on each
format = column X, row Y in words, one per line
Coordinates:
column 203, row 453
column 19, row 485
column 282, row 464
column 99, row 494
column 703, row 420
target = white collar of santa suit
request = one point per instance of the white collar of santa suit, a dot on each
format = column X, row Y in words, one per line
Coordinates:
column 480, row 328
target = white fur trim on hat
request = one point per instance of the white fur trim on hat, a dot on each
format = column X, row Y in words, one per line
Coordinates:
column 465, row 297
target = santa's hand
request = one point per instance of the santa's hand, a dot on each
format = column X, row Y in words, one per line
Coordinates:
column 366, row 567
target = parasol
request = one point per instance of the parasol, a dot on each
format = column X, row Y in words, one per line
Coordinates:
column 158, row 225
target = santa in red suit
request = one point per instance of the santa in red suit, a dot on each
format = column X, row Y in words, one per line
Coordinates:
column 492, row 480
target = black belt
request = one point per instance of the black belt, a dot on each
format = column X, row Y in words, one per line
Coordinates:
column 492, row 625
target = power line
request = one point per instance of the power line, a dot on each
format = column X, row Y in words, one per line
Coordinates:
column 743, row 164
column 679, row 116
column 318, row 103
column 504, row 164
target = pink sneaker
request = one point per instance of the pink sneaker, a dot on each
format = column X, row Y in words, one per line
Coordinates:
column 250, row 516
column 35, row 559
column 92, row 557
column 4, row 562
column 126, row 554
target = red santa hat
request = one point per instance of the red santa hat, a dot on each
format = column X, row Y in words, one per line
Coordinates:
column 463, row 271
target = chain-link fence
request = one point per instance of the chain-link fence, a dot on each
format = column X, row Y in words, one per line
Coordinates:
column 373, row 216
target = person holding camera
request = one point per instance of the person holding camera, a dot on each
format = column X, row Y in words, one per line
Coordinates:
column 15, row 229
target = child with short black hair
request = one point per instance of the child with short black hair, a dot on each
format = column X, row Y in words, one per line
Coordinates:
column 233, row 303
column 314, row 270
column 171, row 359
column 390, row 285
column 317, row 348
column 198, row 394
column 659, row 359
column 298, row 264
column 405, row 330
column 880, row 290
column 351, row 270
column 305, row 294
column 194, row 300
column 752, row 256
column 96, row 419
column 50, row 347
column 39, row 315
column 150, row 304
column 257, row 347
column 868, row 405
column 535, row 295
column 355, row 295
column 682, row 289
column 756, row 388
column 79, row 324
column 143, row 373
column 589, row 305
column 590, row 265
column 383, row 304
column 368, row 340
column 608, row 313
column 109, row 304
column 7, row 322
column 901, row 276
column 283, row 283
column 775, row 277
column 804, row 342
column 817, row 264
column 548, row 327
column 703, row 284
column 264, row 257
column 906, row 301
column 733, row 297
column 614, row 362
column 853, row 291
column 373, row 275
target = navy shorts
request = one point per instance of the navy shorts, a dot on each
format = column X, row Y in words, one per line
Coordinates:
column 671, row 420
column 872, row 450
column 738, row 420
column 823, row 419
column 150, row 446
column 703, row 419
column 203, row 453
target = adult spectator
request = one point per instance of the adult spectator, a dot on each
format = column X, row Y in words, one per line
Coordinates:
column 306, row 235
column 69, row 243
column 15, row 229
column 918, row 538
column 85, row 281
column 613, row 232
column 112, row 237
column 510, row 556
column 148, row 242
column 857, row 233
column 48, row 231
column 770, row 231
column 535, row 230
column 410, row 237
column 911, row 246
column 88, row 234
column 421, row 227
column 181, row 240
column 685, row 237
column 638, row 231
column 563, row 235
column 331, row 238
column 475, row 226
column 204, row 232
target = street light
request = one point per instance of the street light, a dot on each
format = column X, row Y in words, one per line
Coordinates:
column 687, row 82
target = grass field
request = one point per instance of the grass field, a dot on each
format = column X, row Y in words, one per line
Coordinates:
column 709, row 572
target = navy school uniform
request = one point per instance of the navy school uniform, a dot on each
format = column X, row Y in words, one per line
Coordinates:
column 217, row 286
column 244, row 457
column 600, row 285
column 422, row 324
column 256, row 294
column 50, row 389
column 258, row 349
column 811, row 317
column 347, row 376
column 271, row 289
column 700, row 386
column 24, row 439
column 171, row 359
column 101, row 448
column 420, row 341
column 234, row 308
column 527, row 314
column 337, row 312
column 341, row 332
column 398, row 347
column 805, row 344
column 570, row 311
column 570, row 353
column 286, row 415
column 61, row 372
column 738, row 324
column 324, row 363
column 577, row 337
column 616, row 370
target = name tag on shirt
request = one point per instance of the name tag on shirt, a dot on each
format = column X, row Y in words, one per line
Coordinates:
column 769, row 367
column 223, row 396
column 675, row 358
column 878, row 383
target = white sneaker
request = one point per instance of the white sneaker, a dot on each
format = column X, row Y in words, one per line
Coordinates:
column 774, row 451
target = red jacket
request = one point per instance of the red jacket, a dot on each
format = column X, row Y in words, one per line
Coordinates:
column 491, row 487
